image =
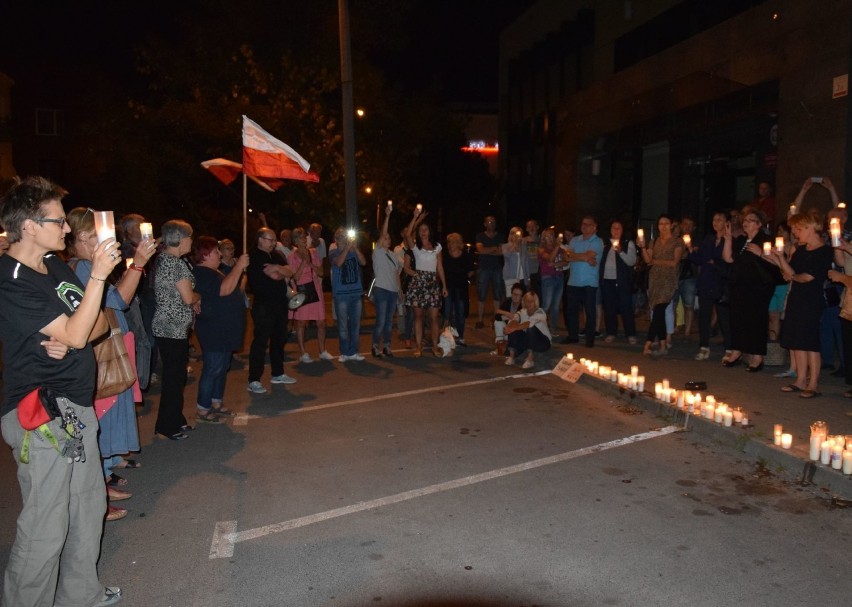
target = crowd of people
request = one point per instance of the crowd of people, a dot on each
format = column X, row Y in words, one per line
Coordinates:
column 756, row 282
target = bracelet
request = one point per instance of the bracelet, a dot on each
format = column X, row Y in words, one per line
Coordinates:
column 133, row 266
column 96, row 278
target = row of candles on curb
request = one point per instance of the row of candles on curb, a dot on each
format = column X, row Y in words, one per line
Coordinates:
column 834, row 451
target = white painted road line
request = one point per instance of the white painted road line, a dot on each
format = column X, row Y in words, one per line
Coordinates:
column 226, row 536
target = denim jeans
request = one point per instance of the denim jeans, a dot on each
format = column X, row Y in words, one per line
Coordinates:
column 455, row 309
column 551, row 297
column 348, row 321
column 211, row 385
column 385, row 302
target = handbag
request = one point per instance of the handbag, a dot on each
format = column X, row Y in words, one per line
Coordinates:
column 115, row 371
column 309, row 290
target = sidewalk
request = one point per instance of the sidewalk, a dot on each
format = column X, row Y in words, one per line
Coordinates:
column 759, row 394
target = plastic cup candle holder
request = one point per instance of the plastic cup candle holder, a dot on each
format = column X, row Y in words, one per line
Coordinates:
column 786, row 440
column 104, row 225
column 147, row 231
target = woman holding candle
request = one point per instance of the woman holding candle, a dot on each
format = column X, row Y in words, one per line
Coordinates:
column 843, row 259
column 806, row 271
column 119, row 433
column 710, row 283
column 307, row 267
column 514, row 259
column 663, row 257
column 752, row 282
column 528, row 331
column 550, row 267
column 219, row 325
column 177, row 302
column 616, row 280
column 386, row 269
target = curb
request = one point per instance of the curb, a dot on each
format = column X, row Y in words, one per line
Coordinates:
column 751, row 442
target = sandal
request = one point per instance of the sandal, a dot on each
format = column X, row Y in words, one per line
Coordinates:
column 115, row 480
column 788, row 374
column 703, row 354
column 115, row 513
column 222, row 410
column 128, row 463
column 208, row 417
column 809, row 394
column 792, row 388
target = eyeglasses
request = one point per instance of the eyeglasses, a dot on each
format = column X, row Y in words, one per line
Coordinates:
column 59, row 221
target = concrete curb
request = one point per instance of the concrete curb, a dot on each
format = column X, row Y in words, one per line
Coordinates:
column 750, row 442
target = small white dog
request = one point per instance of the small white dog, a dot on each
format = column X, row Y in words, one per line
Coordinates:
column 447, row 341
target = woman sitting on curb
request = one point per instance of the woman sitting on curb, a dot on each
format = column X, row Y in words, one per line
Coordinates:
column 528, row 331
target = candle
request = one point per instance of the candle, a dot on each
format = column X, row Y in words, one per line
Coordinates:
column 786, row 440
column 640, row 237
column 147, row 231
column 711, row 399
column 570, row 356
column 848, row 441
column 841, row 205
column 815, row 445
column 640, row 383
column 634, row 370
column 834, row 229
column 104, row 225
column 767, row 248
column 718, row 414
column 745, row 419
column 837, row 457
column 847, row 462
column 418, row 208
column 666, row 383
column 738, row 415
column 778, row 431
column 729, row 418
column 793, row 209
column 680, row 399
column 709, row 411
column 390, row 205
column 779, row 244
column 613, row 375
column 825, row 453
column 658, row 390
column 839, row 439
column 687, row 240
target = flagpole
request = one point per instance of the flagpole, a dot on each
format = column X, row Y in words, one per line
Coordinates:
column 245, row 213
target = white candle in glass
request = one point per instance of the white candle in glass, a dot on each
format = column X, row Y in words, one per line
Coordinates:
column 666, row 383
column 104, row 225
column 728, row 418
column 847, row 462
column 570, row 355
column 825, row 453
column 147, row 231
column 718, row 414
column 738, row 415
column 786, row 440
column 815, row 445
column 658, row 390
column 418, row 208
column 767, row 248
column 836, row 457
column 745, row 419
column 687, row 240
column 634, row 370
column 779, row 244
column 640, row 237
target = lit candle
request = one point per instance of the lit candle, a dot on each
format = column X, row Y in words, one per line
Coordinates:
column 837, row 457
column 666, row 383
column 779, row 244
column 738, row 415
column 613, row 375
column 786, row 440
column 728, row 418
column 634, row 370
column 825, row 452
column 793, row 209
column 104, row 225
column 834, row 229
column 711, row 399
column 147, row 231
column 570, row 355
column 640, row 237
column 640, row 383
column 745, row 419
column 778, row 431
column 418, row 208
column 767, row 248
column 658, row 390
column 390, row 205
column 719, row 414
column 847, row 462
column 815, row 445
column 687, row 240
column 841, row 205
column 839, row 439
column 680, row 399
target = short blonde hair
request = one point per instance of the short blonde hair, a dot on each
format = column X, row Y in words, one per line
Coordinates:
column 810, row 218
column 534, row 296
column 455, row 237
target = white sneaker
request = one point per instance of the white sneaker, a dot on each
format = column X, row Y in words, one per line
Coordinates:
column 111, row 596
column 282, row 379
column 256, row 387
column 357, row 357
column 343, row 358
column 510, row 361
column 325, row 355
column 528, row 364
column 306, row 358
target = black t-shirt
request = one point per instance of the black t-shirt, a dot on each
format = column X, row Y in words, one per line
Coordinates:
column 30, row 301
column 262, row 286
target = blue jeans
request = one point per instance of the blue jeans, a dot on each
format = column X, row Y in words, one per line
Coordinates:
column 454, row 309
column 348, row 321
column 551, row 297
column 385, row 302
column 490, row 278
column 211, row 385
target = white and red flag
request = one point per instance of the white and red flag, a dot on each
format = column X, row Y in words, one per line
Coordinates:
column 264, row 156
column 227, row 172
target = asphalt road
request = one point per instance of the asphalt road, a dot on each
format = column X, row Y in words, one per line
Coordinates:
column 438, row 482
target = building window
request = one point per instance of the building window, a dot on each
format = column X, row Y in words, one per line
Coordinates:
column 49, row 122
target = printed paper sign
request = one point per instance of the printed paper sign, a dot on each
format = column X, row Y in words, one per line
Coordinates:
column 568, row 369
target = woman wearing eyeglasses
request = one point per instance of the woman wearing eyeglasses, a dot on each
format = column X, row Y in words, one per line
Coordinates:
column 751, row 284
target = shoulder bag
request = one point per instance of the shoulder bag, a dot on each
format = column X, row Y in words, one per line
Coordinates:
column 115, row 371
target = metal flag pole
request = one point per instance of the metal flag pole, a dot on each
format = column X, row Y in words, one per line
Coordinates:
column 245, row 213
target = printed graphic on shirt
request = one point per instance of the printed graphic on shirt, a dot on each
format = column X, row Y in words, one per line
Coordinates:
column 70, row 294
column 349, row 271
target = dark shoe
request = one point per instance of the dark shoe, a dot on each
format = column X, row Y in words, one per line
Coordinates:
column 791, row 388
column 571, row 340
column 734, row 362
column 387, row 352
column 750, row 369
column 115, row 480
column 376, row 352
column 175, row 436
column 186, row 428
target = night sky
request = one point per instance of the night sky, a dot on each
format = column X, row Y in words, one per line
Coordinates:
column 452, row 43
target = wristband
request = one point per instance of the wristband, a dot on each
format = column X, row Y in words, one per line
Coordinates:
column 133, row 266
column 96, row 278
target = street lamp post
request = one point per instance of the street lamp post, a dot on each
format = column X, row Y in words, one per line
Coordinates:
column 348, row 115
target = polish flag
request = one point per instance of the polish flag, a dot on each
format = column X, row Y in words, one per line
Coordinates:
column 227, row 171
column 265, row 156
